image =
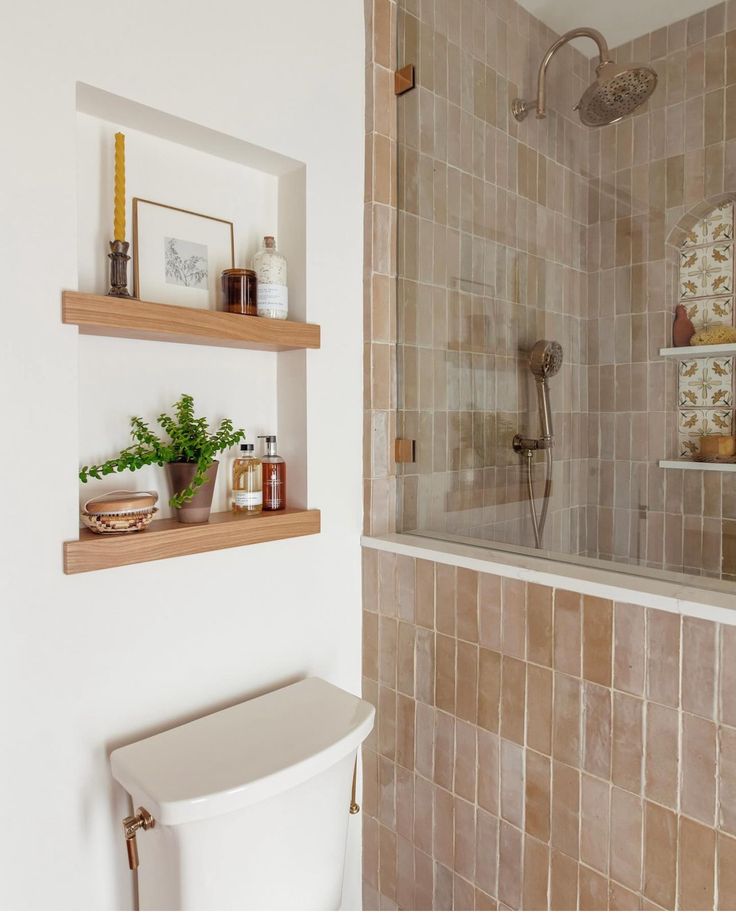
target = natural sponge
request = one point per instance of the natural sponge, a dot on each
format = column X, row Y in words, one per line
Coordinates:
column 715, row 335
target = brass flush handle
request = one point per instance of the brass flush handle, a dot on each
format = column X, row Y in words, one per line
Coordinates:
column 354, row 806
column 142, row 821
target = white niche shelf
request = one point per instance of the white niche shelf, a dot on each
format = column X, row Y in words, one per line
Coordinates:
column 699, row 351
column 699, row 467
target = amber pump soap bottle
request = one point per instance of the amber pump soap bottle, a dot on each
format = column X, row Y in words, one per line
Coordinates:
column 274, row 476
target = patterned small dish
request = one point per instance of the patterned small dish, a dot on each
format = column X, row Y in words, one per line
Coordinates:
column 120, row 512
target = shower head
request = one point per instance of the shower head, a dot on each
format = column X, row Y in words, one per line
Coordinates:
column 616, row 92
column 545, row 359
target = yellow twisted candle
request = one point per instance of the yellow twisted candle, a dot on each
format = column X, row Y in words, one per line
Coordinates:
column 119, row 230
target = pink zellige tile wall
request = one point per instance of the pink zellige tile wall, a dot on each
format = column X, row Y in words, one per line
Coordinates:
column 537, row 748
column 540, row 749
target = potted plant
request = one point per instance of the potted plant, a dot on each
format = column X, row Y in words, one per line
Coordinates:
column 189, row 457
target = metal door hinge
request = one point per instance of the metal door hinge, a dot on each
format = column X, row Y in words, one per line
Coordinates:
column 142, row 821
column 405, row 451
column 404, row 80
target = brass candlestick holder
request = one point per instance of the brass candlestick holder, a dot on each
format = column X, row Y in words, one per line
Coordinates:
column 119, row 259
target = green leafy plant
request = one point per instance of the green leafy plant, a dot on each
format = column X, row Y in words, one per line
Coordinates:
column 190, row 441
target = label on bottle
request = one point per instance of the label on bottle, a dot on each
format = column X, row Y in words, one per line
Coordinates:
column 273, row 301
column 247, row 499
column 274, row 486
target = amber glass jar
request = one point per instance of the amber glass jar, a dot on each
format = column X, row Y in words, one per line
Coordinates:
column 239, row 291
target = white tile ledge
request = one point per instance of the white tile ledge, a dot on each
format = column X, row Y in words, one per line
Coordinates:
column 640, row 590
column 690, row 351
column 693, row 465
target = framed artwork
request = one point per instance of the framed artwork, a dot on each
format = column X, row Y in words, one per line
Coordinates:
column 179, row 255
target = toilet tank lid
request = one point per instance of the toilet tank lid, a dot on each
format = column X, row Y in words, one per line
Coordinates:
column 243, row 754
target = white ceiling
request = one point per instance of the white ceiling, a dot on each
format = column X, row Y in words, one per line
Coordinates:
column 618, row 20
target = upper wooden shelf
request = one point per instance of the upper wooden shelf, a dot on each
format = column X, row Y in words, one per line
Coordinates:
column 120, row 317
column 169, row 538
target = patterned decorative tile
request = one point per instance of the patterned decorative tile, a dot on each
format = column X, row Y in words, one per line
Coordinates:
column 706, row 272
column 694, row 424
column 713, row 311
column 715, row 227
column 706, row 383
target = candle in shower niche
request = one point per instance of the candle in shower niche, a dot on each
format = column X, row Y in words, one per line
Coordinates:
column 119, row 221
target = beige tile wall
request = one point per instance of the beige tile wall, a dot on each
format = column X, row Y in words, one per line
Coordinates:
column 507, row 233
column 380, row 269
column 532, row 749
column 491, row 257
column 652, row 176
column 539, row 749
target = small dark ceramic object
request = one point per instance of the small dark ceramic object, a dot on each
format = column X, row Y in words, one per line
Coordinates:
column 682, row 328
column 119, row 259
column 197, row 510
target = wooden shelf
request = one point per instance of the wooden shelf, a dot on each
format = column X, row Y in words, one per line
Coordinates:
column 698, row 351
column 120, row 317
column 169, row 539
column 700, row 467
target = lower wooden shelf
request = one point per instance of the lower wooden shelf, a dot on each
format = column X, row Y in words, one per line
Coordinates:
column 169, row 538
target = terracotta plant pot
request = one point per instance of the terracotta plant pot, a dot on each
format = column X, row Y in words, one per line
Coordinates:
column 197, row 509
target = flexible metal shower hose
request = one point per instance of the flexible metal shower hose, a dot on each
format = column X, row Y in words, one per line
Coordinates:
column 538, row 523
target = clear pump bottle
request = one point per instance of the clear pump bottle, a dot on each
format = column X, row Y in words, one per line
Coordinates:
column 274, row 476
column 247, row 482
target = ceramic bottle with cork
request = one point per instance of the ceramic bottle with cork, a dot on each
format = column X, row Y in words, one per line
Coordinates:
column 273, row 292
column 274, row 476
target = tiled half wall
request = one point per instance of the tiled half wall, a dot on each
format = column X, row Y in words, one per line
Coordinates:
column 540, row 749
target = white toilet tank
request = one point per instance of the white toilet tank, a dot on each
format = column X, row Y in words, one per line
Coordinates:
column 251, row 803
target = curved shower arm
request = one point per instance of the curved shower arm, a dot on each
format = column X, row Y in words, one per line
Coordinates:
column 521, row 107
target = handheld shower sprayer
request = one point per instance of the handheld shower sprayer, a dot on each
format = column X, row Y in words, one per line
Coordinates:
column 545, row 360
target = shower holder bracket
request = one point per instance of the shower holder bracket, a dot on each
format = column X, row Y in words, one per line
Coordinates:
column 530, row 444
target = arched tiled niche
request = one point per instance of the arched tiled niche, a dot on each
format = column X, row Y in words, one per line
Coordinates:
column 702, row 251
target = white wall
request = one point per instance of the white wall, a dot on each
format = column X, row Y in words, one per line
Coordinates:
column 93, row 661
column 238, row 385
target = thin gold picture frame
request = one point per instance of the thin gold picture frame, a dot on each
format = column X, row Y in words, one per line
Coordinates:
column 181, row 210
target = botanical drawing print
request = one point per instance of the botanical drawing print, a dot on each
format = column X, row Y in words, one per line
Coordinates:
column 185, row 263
